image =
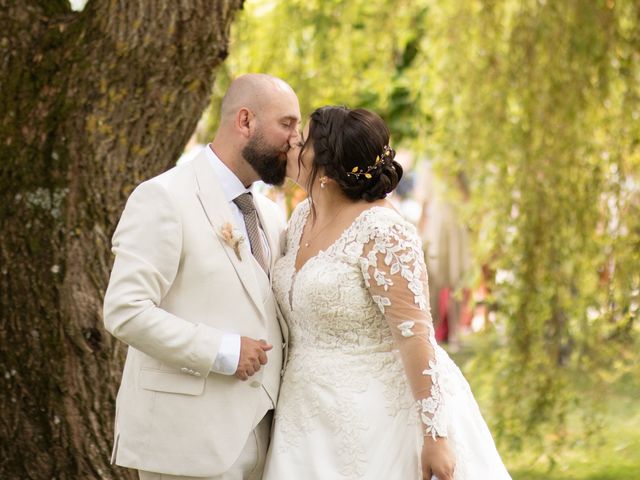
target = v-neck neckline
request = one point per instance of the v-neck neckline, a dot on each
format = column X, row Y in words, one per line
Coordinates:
column 297, row 242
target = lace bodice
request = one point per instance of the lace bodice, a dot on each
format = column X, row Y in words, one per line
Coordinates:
column 365, row 294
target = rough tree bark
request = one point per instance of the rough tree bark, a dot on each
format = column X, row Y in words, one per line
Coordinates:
column 91, row 103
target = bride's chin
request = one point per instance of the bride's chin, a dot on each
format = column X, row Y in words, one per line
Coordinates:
column 291, row 171
column 290, row 175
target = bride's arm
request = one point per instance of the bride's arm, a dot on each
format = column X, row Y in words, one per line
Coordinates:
column 394, row 271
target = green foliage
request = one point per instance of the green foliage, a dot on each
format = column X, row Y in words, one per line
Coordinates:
column 614, row 453
column 537, row 103
column 353, row 53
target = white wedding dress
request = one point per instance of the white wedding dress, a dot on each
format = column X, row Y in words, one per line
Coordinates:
column 361, row 351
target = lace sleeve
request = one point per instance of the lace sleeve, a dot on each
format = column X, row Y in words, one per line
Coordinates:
column 394, row 272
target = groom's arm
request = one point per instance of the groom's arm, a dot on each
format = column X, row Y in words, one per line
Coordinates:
column 147, row 245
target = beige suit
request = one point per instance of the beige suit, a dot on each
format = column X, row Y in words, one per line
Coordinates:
column 175, row 288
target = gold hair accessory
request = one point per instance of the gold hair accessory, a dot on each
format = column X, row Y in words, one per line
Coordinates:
column 385, row 158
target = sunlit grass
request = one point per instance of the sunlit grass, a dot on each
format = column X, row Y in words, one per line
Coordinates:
column 614, row 453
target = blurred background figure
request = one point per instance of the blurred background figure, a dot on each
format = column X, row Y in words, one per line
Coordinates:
column 404, row 197
column 447, row 253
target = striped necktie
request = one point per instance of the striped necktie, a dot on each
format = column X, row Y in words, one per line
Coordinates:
column 248, row 209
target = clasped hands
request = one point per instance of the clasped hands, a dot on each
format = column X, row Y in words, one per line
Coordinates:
column 253, row 354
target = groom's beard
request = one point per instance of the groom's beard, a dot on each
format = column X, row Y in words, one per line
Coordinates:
column 269, row 163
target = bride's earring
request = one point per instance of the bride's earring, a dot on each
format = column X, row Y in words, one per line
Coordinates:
column 323, row 181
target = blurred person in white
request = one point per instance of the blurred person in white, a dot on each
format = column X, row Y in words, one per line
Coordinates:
column 366, row 392
column 190, row 293
column 404, row 196
column 447, row 252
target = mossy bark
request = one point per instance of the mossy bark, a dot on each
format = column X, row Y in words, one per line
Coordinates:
column 91, row 103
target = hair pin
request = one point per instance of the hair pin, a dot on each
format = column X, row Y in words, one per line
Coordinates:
column 387, row 155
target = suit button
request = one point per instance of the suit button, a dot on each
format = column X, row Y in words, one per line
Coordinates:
column 184, row 369
column 282, row 372
column 197, row 374
column 255, row 384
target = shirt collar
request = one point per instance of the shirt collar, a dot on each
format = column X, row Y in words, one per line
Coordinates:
column 231, row 185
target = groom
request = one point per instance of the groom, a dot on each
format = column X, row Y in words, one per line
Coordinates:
column 190, row 293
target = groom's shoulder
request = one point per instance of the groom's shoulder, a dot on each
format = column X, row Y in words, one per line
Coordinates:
column 167, row 188
column 172, row 179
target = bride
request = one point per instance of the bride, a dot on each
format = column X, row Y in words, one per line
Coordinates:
column 366, row 393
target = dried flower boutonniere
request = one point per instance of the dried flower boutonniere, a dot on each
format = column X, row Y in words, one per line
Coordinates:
column 231, row 238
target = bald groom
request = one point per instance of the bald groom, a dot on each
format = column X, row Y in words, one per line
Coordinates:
column 190, row 293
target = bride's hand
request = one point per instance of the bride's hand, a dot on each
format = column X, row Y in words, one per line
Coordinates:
column 437, row 459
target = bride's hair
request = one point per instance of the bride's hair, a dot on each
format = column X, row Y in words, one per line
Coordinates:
column 352, row 148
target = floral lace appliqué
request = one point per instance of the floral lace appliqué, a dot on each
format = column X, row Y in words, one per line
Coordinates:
column 339, row 337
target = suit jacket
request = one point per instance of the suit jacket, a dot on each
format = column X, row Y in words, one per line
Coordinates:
column 175, row 288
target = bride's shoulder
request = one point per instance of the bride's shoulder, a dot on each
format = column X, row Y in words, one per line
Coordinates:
column 384, row 216
column 300, row 211
column 384, row 221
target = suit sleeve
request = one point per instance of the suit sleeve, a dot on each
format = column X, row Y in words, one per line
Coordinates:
column 147, row 245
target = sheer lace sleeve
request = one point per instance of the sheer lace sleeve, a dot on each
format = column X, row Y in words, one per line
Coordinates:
column 393, row 266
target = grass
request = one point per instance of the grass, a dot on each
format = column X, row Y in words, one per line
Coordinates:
column 612, row 454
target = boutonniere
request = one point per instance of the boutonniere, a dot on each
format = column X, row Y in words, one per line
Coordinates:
column 232, row 238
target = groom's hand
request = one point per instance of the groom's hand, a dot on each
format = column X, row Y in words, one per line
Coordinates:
column 252, row 356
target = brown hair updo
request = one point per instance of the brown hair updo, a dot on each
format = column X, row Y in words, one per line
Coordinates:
column 352, row 148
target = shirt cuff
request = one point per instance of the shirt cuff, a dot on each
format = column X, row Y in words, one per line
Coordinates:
column 226, row 362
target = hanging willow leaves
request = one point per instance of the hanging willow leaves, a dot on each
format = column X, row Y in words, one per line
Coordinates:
column 537, row 103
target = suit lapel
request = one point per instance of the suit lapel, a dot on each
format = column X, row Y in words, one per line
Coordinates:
column 217, row 211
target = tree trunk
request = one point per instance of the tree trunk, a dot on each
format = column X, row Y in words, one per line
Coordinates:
column 91, row 104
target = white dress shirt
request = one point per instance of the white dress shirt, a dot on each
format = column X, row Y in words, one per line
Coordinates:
column 226, row 362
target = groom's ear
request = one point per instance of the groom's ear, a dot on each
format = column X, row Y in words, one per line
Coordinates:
column 244, row 121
